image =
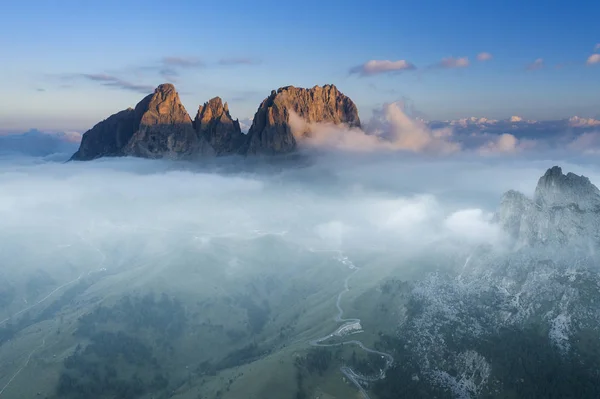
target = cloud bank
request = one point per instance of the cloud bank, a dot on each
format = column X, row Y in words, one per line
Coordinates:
column 484, row 56
column 393, row 129
column 390, row 130
column 70, row 217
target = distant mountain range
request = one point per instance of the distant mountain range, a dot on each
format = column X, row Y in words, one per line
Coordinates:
column 37, row 143
column 574, row 121
column 518, row 126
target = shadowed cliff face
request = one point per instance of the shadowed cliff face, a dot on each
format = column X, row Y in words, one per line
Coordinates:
column 215, row 124
column 107, row 138
column 271, row 131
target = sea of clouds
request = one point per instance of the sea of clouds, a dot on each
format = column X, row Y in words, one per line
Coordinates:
column 393, row 129
column 396, row 187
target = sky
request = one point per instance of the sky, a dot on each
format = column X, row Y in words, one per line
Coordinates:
column 69, row 64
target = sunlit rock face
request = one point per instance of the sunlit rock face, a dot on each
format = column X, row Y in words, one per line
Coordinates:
column 165, row 129
column 158, row 127
column 565, row 210
column 272, row 132
column 214, row 122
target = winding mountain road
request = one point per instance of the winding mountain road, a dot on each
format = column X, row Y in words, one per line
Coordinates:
column 356, row 378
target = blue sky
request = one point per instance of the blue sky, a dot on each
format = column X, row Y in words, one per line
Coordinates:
column 68, row 64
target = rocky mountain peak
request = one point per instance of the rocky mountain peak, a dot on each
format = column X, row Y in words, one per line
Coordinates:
column 165, row 128
column 271, row 132
column 215, row 124
column 158, row 127
column 165, row 88
column 213, row 107
column 556, row 189
column 565, row 210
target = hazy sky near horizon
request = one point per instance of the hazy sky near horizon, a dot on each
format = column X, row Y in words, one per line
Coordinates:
column 69, row 64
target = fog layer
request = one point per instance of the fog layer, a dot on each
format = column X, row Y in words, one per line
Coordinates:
column 392, row 203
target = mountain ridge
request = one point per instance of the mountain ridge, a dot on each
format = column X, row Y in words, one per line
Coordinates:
column 160, row 126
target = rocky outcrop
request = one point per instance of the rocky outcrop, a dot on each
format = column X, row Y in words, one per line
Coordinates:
column 158, row 127
column 107, row 138
column 272, row 132
column 565, row 209
column 165, row 129
column 215, row 124
column 555, row 189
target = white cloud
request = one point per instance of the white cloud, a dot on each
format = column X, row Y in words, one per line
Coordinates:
column 535, row 65
column 576, row 121
column 390, row 130
column 413, row 135
column 245, row 124
column 451, row 62
column 374, row 67
column 332, row 233
column 484, row 56
column 593, row 59
column 587, row 143
column 597, row 47
column 505, row 143
column 474, row 225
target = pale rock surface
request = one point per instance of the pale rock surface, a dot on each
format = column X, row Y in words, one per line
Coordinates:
column 565, row 210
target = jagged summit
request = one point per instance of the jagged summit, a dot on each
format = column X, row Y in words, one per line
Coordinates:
column 565, row 210
column 556, row 189
column 214, row 106
column 165, row 88
column 160, row 127
column 165, row 129
column 214, row 122
column 271, row 131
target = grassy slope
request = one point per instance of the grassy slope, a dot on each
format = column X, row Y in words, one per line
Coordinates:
column 301, row 296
